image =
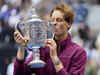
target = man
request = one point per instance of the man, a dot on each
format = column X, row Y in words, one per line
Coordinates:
column 62, row 56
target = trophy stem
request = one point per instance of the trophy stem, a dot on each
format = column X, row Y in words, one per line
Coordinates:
column 36, row 53
column 36, row 62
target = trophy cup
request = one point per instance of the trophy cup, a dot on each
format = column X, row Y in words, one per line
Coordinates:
column 38, row 35
column 39, row 31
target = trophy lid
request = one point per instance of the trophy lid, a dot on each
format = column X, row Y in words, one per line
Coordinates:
column 33, row 12
column 34, row 15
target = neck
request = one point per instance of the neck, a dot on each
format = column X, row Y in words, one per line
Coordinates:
column 61, row 37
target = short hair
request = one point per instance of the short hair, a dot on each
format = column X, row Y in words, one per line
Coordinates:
column 67, row 10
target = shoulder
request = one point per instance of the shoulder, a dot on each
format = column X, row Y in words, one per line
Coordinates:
column 77, row 50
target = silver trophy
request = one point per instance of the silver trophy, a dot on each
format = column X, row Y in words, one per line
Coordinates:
column 38, row 35
column 38, row 31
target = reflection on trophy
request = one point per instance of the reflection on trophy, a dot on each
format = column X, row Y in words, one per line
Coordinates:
column 39, row 31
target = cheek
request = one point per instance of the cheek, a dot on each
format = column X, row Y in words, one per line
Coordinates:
column 63, row 27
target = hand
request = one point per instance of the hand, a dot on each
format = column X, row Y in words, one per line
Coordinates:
column 53, row 54
column 20, row 39
column 52, row 45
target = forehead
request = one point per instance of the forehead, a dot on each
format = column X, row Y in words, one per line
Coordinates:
column 57, row 13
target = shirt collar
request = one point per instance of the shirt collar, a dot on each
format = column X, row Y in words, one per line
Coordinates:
column 66, row 42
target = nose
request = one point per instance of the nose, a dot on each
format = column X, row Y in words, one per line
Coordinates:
column 54, row 22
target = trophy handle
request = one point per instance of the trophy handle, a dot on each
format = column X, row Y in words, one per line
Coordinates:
column 21, row 27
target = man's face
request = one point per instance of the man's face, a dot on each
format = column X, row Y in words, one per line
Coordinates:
column 60, row 25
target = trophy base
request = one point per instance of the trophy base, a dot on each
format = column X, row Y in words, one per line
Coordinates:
column 36, row 64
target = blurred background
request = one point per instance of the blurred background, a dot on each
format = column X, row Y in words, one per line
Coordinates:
column 85, row 30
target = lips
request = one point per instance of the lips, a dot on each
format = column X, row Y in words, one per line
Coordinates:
column 55, row 30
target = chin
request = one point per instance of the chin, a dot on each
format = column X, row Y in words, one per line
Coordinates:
column 57, row 34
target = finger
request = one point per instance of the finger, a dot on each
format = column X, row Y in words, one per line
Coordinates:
column 50, row 41
column 48, row 45
column 15, row 38
column 18, row 38
column 15, row 33
column 18, row 33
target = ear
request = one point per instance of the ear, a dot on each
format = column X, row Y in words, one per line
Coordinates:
column 68, row 20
